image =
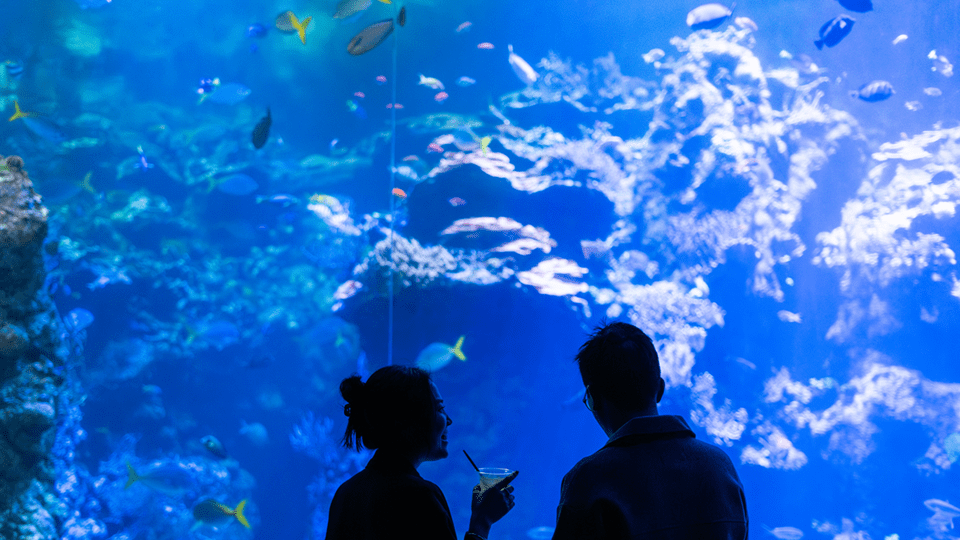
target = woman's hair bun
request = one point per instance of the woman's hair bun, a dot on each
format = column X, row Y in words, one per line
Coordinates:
column 351, row 389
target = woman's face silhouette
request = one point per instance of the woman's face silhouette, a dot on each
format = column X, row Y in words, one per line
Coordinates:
column 437, row 438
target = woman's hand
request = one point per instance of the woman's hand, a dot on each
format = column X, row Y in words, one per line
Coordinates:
column 490, row 505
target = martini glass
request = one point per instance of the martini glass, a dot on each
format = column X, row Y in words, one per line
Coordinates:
column 489, row 476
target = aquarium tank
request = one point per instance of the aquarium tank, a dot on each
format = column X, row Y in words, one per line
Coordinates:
column 212, row 212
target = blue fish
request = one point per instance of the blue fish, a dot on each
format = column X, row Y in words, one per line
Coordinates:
column 14, row 69
column 171, row 479
column 833, row 31
column 44, row 129
column 218, row 333
column 256, row 30
column 237, row 184
column 78, row 319
column 142, row 163
column 874, row 91
column 229, row 93
column 282, row 199
column 356, row 109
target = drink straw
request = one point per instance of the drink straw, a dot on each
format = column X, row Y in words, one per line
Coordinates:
column 471, row 461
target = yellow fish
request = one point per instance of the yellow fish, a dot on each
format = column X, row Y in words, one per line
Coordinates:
column 438, row 355
column 86, row 185
column 18, row 113
column 300, row 26
column 211, row 512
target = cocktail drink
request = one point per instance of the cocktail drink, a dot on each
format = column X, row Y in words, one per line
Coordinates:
column 489, row 476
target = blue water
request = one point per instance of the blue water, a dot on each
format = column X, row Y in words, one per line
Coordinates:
column 790, row 248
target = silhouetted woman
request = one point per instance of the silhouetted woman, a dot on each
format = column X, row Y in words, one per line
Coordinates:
column 399, row 412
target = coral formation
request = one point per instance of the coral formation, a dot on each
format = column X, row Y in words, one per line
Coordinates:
column 34, row 383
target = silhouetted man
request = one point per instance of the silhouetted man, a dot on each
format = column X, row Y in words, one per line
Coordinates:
column 652, row 479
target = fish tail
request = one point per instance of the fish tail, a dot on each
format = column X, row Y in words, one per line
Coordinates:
column 238, row 513
column 17, row 113
column 131, row 476
column 458, row 351
column 302, row 29
column 86, row 185
column 819, row 44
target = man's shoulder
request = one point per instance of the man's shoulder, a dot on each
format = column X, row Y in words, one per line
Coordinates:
column 626, row 450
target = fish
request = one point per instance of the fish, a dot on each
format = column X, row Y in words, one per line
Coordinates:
column 408, row 173
column 486, row 46
column 237, row 184
column 942, row 507
column 441, row 97
column 874, row 91
column 256, row 30
column 707, row 16
column 40, row 127
column 785, row 533
column 142, row 162
column 347, row 289
column 789, row 316
column 78, row 319
column 430, row 82
column 464, row 27
column 255, row 433
column 456, row 201
column 394, row 105
column 359, row 95
column 218, row 333
column 14, row 69
column 465, row 81
column 381, row 80
column 282, row 199
column 284, row 22
column 261, row 131
column 347, row 8
column 356, row 109
column 399, row 193
column 521, row 68
column 300, row 26
column 402, row 17
column 437, row 355
column 860, row 6
column 833, row 31
column 211, row 512
column 370, row 37
column 214, row 446
column 540, row 533
column 168, row 478
column 227, row 93
column 434, row 147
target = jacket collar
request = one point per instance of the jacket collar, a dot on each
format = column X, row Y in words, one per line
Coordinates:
column 650, row 428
